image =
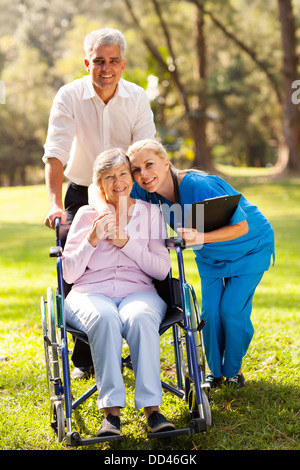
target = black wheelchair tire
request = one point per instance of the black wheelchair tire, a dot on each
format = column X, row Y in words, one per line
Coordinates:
column 58, row 422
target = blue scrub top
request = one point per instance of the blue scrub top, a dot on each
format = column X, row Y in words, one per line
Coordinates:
column 248, row 254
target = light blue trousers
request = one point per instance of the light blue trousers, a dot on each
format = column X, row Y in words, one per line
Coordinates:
column 107, row 321
column 228, row 331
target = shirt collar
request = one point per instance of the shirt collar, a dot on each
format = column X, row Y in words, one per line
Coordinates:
column 121, row 90
column 89, row 91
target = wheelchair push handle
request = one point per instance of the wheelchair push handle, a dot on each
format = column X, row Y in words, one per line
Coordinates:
column 173, row 243
column 61, row 232
column 57, row 225
column 56, row 251
column 57, row 221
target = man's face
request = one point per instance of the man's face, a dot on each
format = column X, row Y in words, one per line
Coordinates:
column 105, row 67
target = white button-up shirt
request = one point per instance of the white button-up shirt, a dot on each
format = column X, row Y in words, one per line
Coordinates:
column 81, row 125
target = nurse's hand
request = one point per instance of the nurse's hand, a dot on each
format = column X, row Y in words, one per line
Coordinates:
column 191, row 236
column 223, row 234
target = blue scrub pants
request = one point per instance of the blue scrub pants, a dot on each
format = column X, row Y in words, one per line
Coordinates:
column 228, row 331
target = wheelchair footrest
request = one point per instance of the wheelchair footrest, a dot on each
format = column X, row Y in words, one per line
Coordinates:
column 73, row 439
column 196, row 426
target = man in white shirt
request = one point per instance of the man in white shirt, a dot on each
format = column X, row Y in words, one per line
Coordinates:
column 89, row 115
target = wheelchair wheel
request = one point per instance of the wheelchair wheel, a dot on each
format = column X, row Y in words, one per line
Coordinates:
column 193, row 405
column 181, row 365
column 50, row 343
column 52, row 333
column 58, row 422
column 51, row 350
column 47, row 346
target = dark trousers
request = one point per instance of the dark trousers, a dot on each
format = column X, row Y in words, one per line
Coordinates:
column 76, row 197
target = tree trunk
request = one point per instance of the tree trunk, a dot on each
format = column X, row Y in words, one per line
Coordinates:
column 290, row 146
column 198, row 114
column 195, row 111
column 202, row 159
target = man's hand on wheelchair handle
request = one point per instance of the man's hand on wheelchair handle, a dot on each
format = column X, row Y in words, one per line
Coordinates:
column 54, row 213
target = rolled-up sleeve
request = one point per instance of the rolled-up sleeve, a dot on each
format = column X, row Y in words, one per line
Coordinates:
column 238, row 216
column 61, row 129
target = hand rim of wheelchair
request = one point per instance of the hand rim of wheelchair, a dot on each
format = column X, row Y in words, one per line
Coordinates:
column 57, row 418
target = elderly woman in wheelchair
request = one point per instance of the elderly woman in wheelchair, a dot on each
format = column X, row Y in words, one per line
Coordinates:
column 111, row 261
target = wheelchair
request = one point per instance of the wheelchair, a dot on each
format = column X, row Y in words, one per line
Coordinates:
column 182, row 317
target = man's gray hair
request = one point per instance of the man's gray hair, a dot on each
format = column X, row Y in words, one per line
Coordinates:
column 104, row 37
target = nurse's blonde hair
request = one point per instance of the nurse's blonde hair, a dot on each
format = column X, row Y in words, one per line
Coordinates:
column 151, row 145
column 159, row 150
column 148, row 144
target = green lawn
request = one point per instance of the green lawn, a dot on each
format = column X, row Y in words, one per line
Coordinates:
column 264, row 415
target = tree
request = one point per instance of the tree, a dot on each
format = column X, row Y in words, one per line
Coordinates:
column 195, row 96
column 289, row 147
column 290, row 111
column 221, row 73
column 23, row 118
column 194, row 101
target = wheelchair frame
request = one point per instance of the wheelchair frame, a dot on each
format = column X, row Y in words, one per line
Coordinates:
column 190, row 365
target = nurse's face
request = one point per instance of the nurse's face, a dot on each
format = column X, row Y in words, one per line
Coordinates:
column 149, row 170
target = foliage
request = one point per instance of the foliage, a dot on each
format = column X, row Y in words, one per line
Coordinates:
column 41, row 48
column 23, row 118
column 263, row 416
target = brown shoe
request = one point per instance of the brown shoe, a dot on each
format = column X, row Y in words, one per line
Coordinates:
column 110, row 426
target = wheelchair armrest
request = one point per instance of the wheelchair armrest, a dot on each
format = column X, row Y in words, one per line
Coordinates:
column 172, row 243
column 55, row 251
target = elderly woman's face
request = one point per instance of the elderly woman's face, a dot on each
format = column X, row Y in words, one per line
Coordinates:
column 116, row 182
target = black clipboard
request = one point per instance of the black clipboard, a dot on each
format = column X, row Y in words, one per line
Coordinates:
column 217, row 212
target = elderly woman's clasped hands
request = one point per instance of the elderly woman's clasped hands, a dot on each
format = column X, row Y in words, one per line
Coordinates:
column 105, row 227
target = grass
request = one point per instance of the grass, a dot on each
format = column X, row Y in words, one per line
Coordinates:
column 263, row 416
